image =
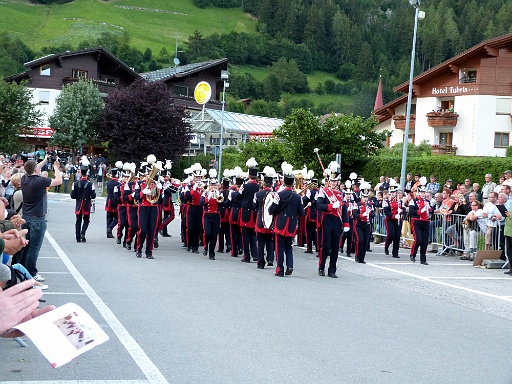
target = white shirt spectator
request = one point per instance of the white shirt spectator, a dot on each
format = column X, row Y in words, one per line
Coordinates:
column 490, row 209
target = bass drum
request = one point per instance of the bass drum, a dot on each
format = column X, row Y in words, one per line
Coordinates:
column 268, row 219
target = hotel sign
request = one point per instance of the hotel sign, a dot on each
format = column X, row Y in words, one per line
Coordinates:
column 452, row 90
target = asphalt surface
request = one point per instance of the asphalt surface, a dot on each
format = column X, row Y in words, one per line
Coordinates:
column 182, row 318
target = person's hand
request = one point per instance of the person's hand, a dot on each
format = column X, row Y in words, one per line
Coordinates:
column 397, row 216
column 346, row 229
column 19, row 304
column 336, row 204
column 56, row 164
column 17, row 220
column 146, row 191
column 14, row 240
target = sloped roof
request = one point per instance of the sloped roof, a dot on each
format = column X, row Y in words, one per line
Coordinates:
column 181, row 71
column 99, row 50
column 234, row 123
column 487, row 46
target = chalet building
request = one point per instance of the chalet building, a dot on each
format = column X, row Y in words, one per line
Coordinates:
column 462, row 106
column 47, row 75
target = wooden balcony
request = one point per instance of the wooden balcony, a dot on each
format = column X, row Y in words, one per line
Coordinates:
column 439, row 119
column 438, row 149
column 399, row 121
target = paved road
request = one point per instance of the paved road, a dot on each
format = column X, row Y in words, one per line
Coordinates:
column 182, row 318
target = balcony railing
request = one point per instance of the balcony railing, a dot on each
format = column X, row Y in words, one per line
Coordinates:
column 399, row 121
column 444, row 149
column 442, row 119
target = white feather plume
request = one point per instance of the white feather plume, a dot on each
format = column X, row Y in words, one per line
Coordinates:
column 119, row 164
column 151, row 159
column 251, row 163
column 239, row 173
column 84, row 161
column 187, row 171
column 127, row 166
column 271, row 172
column 133, row 167
column 266, row 169
column 327, row 172
column 311, row 174
column 348, row 184
column 168, row 164
column 287, row 169
column 333, row 166
column 353, row 176
column 212, row 173
column 231, row 173
column 203, row 172
column 364, row 185
column 226, row 172
column 423, row 180
column 196, row 167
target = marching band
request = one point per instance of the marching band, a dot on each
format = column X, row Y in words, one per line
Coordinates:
column 252, row 214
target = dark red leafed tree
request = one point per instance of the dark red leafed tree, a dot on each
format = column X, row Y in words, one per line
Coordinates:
column 141, row 120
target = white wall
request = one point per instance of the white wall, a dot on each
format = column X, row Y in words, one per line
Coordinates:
column 47, row 109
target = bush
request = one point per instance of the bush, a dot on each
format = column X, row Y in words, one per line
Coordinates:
column 508, row 153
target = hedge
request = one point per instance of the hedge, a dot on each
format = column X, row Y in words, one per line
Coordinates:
column 457, row 168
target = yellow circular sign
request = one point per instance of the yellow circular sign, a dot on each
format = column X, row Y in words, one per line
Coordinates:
column 203, row 92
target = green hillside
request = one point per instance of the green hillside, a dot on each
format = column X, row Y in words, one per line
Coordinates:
column 150, row 23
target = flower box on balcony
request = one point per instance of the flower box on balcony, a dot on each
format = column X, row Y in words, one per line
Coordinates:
column 442, row 119
column 400, row 120
column 440, row 149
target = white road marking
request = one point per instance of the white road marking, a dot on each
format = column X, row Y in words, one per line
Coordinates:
column 63, row 293
column 504, row 298
column 140, row 358
column 431, row 263
column 468, row 278
column 79, row 382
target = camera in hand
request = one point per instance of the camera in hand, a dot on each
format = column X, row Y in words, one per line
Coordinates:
column 57, row 156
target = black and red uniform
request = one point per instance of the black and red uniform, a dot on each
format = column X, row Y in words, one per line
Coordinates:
column 234, row 221
column 393, row 222
column 183, row 213
column 419, row 211
column 310, row 219
column 333, row 222
column 167, row 206
column 363, row 215
column 286, row 210
column 248, row 219
column 111, row 204
column 349, row 236
column 128, row 198
column 83, row 191
column 193, row 195
column 148, row 217
column 224, row 230
column 211, row 223
column 264, row 236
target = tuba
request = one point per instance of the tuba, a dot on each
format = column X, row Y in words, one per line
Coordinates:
column 151, row 183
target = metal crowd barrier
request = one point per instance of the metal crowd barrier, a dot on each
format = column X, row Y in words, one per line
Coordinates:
column 450, row 234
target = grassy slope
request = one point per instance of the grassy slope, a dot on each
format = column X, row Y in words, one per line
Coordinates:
column 39, row 26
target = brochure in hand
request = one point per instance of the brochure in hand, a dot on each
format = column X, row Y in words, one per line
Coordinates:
column 64, row 333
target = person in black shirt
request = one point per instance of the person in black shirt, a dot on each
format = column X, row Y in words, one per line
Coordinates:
column 33, row 188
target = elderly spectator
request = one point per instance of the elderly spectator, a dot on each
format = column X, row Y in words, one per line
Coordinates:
column 488, row 187
column 492, row 214
column 467, row 183
column 463, row 190
column 433, row 187
column 408, row 183
column 500, row 183
column 478, row 191
column 508, row 178
column 34, row 187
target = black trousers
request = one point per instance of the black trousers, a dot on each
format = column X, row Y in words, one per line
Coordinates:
column 168, row 217
column 224, row 236
column 249, row 243
column 122, row 222
column 331, row 234
column 393, row 231
column 148, row 218
column 133, row 223
column 211, row 225
column 363, row 232
column 420, row 229
column 194, row 224
column 284, row 249
column 348, row 237
column 81, row 224
column 111, row 220
column 311, row 235
column 236, row 239
column 265, row 243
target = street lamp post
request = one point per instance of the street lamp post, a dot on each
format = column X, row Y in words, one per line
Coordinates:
column 418, row 15
column 224, row 75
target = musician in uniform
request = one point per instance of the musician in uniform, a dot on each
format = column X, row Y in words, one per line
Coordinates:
column 234, row 218
column 184, row 206
column 128, row 201
column 287, row 208
column 393, row 221
column 170, row 187
column 349, row 236
column 362, row 224
column 310, row 218
column 248, row 213
column 265, row 236
column 193, row 194
column 334, row 221
column 211, row 201
column 224, row 231
column 83, row 192
column 419, row 211
column 111, row 201
column 148, row 193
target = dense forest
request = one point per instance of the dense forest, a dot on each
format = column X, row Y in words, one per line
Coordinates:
column 354, row 39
